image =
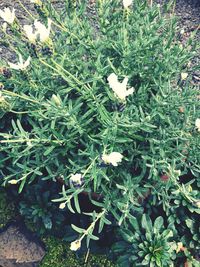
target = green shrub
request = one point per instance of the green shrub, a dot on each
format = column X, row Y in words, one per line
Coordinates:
column 108, row 113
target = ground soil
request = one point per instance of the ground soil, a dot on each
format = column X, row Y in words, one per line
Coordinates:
column 188, row 12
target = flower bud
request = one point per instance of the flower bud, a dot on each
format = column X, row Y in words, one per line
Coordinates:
column 13, row 181
column 1, row 87
column 62, row 206
column 197, row 203
column 56, row 100
column 75, row 245
column 184, row 76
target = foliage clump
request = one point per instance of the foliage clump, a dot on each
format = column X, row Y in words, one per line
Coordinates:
column 146, row 243
column 109, row 115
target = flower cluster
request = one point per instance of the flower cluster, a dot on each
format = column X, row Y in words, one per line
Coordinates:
column 197, row 124
column 7, row 15
column 21, row 65
column 113, row 158
column 76, row 179
column 127, row 3
column 119, row 89
column 41, row 31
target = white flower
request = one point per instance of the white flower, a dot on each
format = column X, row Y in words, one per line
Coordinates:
column 42, row 30
column 127, row 3
column 197, row 124
column 62, row 206
column 37, row 2
column 29, row 33
column 119, row 89
column 20, row 65
column 75, row 245
column 184, row 75
column 113, row 158
column 76, row 178
column 8, row 15
column 13, row 182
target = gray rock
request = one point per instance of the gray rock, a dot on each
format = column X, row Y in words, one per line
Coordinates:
column 19, row 248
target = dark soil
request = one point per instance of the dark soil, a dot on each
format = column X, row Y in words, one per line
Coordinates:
column 188, row 13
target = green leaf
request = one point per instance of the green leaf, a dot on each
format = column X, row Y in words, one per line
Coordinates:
column 133, row 221
column 70, row 206
column 47, row 222
column 106, row 221
column 77, row 229
column 158, row 224
column 22, row 184
column 49, row 150
column 146, row 223
column 93, row 237
column 76, row 202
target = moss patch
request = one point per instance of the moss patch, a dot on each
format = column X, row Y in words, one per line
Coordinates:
column 59, row 255
column 6, row 209
column 58, row 252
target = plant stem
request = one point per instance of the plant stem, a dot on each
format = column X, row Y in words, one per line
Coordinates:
column 20, row 96
column 25, row 9
column 32, row 140
column 92, row 225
